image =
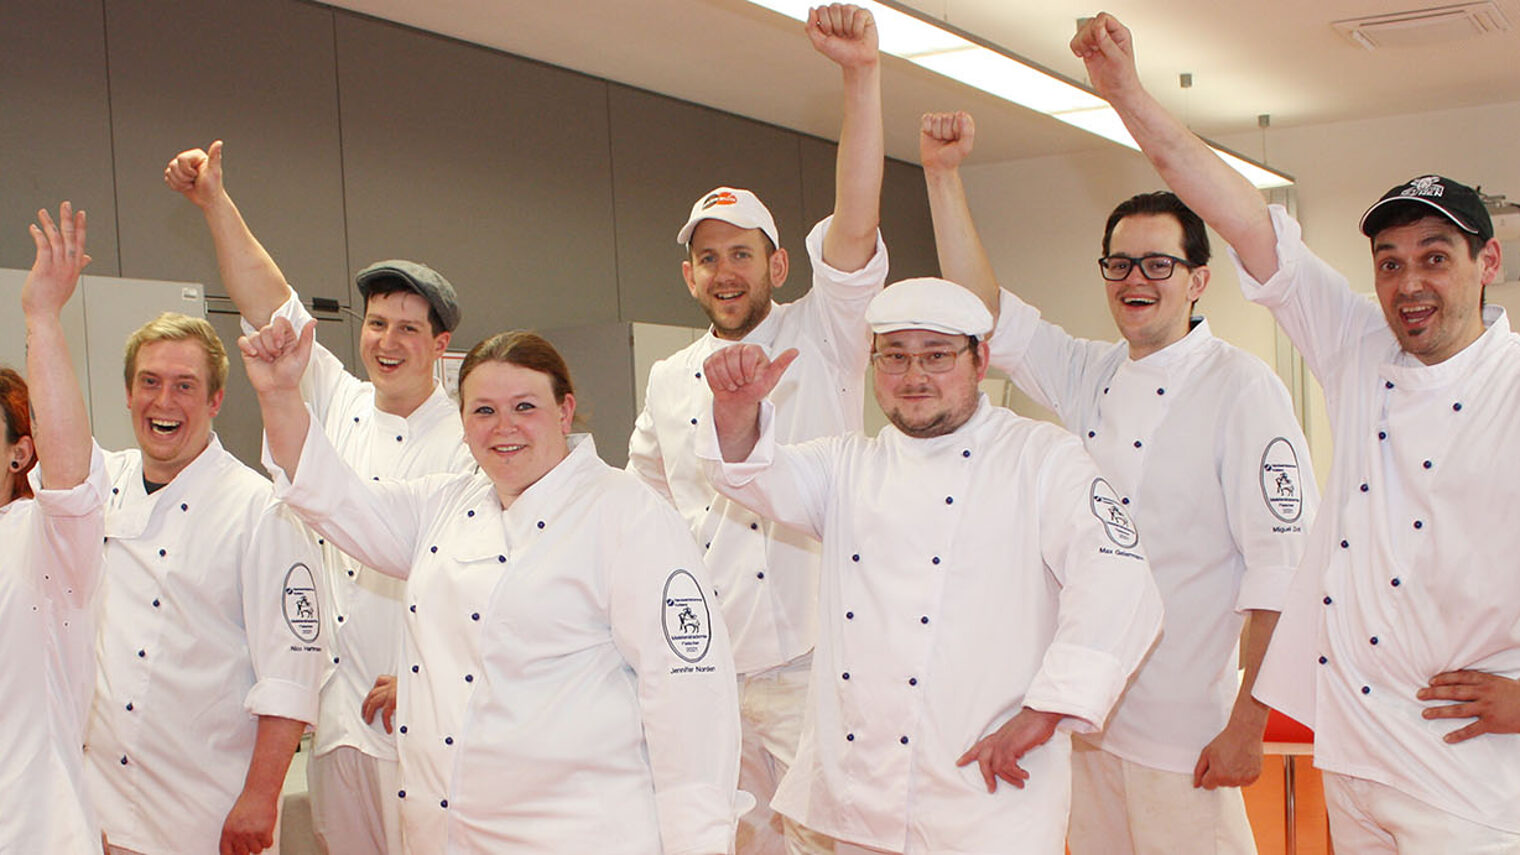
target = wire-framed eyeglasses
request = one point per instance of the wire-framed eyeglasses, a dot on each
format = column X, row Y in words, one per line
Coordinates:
column 1155, row 266
column 931, row 361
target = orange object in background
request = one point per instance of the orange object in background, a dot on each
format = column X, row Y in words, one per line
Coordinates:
column 1286, row 805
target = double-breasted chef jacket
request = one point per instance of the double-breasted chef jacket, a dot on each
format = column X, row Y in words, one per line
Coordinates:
column 766, row 575
column 1200, row 441
column 209, row 619
column 964, row 576
column 50, row 562
column 1411, row 566
column 566, row 683
column 362, row 618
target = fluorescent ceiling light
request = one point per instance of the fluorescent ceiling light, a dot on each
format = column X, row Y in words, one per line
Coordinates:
column 995, row 71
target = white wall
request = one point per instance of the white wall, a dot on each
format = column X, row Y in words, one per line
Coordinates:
column 1042, row 219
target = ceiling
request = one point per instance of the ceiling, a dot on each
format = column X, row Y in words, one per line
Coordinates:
column 1279, row 57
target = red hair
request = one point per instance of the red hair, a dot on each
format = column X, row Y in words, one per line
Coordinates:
column 15, row 405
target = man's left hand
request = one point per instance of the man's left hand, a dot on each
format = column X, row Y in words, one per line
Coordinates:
column 1232, row 759
column 381, row 699
column 249, row 828
column 998, row 754
column 1490, row 698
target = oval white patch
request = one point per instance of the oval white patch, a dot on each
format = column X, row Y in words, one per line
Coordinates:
column 1110, row 511
column 688, row 622
column 1280, row 484
column 300, row 601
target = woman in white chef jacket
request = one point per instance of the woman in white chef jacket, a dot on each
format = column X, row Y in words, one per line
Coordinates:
column 566, row 680
column 51, row 528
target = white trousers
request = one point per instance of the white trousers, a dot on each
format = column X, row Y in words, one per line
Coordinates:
column 1123, row 808
column 770, row 716
column 354, row 806
column 1368, row 818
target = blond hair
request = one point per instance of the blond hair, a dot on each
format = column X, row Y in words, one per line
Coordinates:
column 173, row 326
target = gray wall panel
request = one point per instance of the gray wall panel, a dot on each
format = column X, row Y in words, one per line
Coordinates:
column 55, row 128
column 490, row 168
column 259, row 75
column 905, row 223
column 666, row 153
column 600, row 357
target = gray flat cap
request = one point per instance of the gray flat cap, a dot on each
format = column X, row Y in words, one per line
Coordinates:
column 424, row 280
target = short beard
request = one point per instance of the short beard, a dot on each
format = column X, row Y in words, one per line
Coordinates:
column 746, row 325
column 946, row 422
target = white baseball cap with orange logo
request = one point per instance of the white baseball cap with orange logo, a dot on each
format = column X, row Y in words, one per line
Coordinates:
column 733, row 206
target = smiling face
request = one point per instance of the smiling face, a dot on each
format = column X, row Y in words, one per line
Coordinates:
column 172, row 405
column 1430, row 286
column 398, row 349
column 921, row 404
column 1152, row 314
column 731, row 274
column 514, row 427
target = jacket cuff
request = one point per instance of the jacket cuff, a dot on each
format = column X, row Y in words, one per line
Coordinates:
column 1078, row 682
column 282, row 698
column 700, row 819
column 1264, row 589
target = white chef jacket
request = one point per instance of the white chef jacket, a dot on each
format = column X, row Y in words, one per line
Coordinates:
column 1410, row 569
column 209, row 619
column 964, row 577
column 1201, row 436
column 566, row 684
column 50, row 562
column 363, row 608
column 766, row 575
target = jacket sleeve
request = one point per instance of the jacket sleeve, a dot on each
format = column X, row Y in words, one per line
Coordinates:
column 789, row 484
column 1048, row 364
column 666, row 623
column 645, row 459
column 1269, row 490
column 1109, row 608
column 836, row 305
column 378, row 522
column 1312, row 301
column 281, row 616
column 70, row 528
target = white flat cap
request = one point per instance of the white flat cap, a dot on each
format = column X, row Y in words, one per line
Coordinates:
column 928, row 303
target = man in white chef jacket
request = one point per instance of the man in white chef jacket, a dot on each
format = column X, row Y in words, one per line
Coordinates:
column 982, row 589
column 1200, row 436
column 400, row 424
column 1405, row 613
column 210, row 649
column 766, row 575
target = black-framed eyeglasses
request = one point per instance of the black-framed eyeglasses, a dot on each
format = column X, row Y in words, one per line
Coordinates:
column 931, row 361
column 1155, row 266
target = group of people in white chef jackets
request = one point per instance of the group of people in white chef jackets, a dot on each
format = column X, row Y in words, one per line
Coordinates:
column 973, row 632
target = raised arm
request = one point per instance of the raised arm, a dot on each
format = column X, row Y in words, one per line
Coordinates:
column 275, row 358
column 1221, row 196
column 944, row 140
column 741, row 376
column 253, row 280
column 847, row 36
column 61, row 427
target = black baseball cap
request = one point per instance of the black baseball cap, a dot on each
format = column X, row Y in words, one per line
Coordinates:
column 425, row 281
column 1454, row 201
